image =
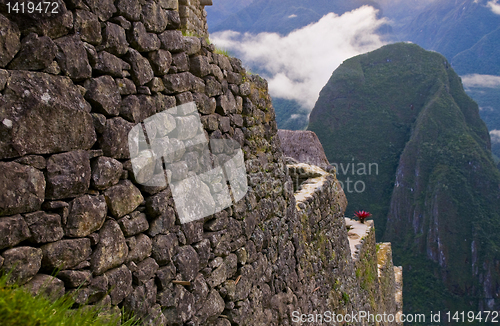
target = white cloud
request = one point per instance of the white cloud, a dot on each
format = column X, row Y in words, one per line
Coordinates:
column 476, row 80
column 292, row 16
column 494, row 6
column 299, row 64
column 495, row 136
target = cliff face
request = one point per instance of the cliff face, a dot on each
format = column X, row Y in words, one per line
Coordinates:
column 105, row 102
column 437, row 189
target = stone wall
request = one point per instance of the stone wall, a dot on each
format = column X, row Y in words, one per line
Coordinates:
column 72, row 87
column 193, row 16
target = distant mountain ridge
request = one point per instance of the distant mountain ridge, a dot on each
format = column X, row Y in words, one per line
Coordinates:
column 437, row 191
column 283, row 16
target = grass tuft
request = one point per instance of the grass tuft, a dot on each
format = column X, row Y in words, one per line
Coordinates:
column 19, row 307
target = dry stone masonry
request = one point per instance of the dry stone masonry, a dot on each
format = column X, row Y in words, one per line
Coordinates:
column 72, row 87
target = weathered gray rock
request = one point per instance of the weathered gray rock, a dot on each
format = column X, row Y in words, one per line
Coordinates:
column 133, row 224
column 181, row 307
column 104, row 95
column 36, row 161
column 22, row 262
column 187, row 262
column 140, row 247
column 130, row 9
column 156, row 85
column 141, row 40
column 213, row 87
column 213, row 307
column 30, row 57
column 123, row 198
column 130, row 109
column 87, row 215
column 160, row 61
column 114, row 39
column 111, row 251
column 64, row 254
column 163, row 223
column 164, row 248
column 157, row 205
column 172, row 40
column 164, row 275
column 72, row 58
column 26, row 188
column 104, row 9
column 106, row 172
column 88, row 27
column 44, row 227
column 141, row 69
column 144, row 271
column 199, row 66
column 46, row 285
column 68, row 174
column 114, row 139
column 304, row 146
column 13, row 230
column 126, row 86
column 9, row 40
column 205, row 104
column 75, row 279
column 154, row 17
column 120, row 283
column 192, row 45
column 178, row 83
column 34, row 99
column 180, row 61
column 142, row 298
column 107, row 63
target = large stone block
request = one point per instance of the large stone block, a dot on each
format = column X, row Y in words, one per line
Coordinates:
column 22, row 262
column 120, row 283
column 43, row 114
column 172, row 41
column 65, row 254
column 130, row 9
column 114, row 139
column 68, row 174
column 46, row 285
column 154, row 17
column 110, row 64
column 30, row 57
column 178, row 83
column 123, row 198
column 44, row 227
column 140, row 247
column 141, row 40
column 104, row 95
column 87, row 215
column 141, row 69
column 106, row 172
column 9, row 40
column 72, row 58
column 104, row 9
column 13, row 230
column 114, row 39
column 23, row 188
column 87, row 25
column 111, row 251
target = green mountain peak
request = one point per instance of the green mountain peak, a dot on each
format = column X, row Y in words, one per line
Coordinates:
column 436, row 190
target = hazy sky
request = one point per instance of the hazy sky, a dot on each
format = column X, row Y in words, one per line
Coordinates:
column 299, row 64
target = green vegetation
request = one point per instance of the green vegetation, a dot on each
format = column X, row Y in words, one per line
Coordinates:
column 20, row 307
column 405, row 109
